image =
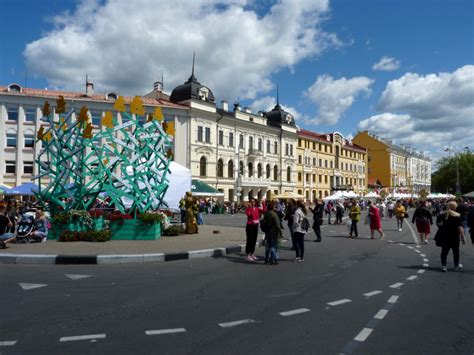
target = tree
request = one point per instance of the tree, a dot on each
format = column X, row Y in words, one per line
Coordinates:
column 444, row 179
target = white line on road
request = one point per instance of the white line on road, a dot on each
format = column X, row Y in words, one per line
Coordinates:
column 417, row 251
column 412, row 277
column 401, row 244
column 339, row 302
column 421, row 271
column 381, row 314
column 396, row 285
column 373, row 293
column 426, row 265
column 393, row 299
column 426, row 260
column 364, row 334
column 418, row 246
column 409, row 247
column 27, row 286
column 8, row 343
column 293, row 312
column 83, row 337
column 77, row 277
column 165, row 331
column 423, row 255
column 237, row 322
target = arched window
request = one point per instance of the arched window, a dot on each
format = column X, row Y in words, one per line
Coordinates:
column 275, row 173
column 220, row 168
column 203, row 166
column 241, row 168
column 250, row 166
column 288, row 174
column 268, row 171
column 230, row 169
column 250, row 143
column 259, row 170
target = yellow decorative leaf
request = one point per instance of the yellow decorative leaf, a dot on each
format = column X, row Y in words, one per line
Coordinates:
column 83, row 117
column 169, row 128
column 108, row 120
column 137, row 106
column 46, row 110
column 47, row 136
column 149, row 117
column 87, row 131
column 60, row 105
column 158, row 114
column 63, row 124
column 106, row 161
column 119, row 104
column 40, row 133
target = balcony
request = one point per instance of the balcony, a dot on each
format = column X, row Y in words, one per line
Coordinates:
column 256, row 181
column 255, row 153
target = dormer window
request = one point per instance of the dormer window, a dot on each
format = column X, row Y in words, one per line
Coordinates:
column 328, row 137
column 14, row 88
column 203, row 93
column 111, row 96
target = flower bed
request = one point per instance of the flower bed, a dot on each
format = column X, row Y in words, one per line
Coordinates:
column 135, row 229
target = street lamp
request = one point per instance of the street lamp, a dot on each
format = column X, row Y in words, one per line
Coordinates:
column 456, row 153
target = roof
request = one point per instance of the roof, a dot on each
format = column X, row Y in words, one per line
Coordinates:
column 277, row 116
column 322, row 137
column 190, row 90
column 53, row 94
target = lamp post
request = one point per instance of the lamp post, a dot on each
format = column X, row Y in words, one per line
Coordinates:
column 456, row 153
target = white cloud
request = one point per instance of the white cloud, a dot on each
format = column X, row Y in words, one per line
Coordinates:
column 334, row 97
column 123, row 45
column 427, row 112
column 386, row 64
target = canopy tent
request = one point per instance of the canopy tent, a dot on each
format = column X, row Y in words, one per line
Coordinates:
column 288, row 194
column 199, row 188
column 349, row 194
column 4, row 189
column 469, row 195
column 439, row 195
column 338, row 195
column 27, row 189
column 372, row 195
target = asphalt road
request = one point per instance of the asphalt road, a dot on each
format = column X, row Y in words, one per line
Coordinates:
column 348, row 296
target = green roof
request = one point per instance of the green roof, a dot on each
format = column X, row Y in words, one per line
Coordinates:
column 199, row 188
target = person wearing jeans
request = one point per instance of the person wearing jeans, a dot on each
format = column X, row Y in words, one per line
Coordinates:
column 272, row 235
column 298, row 231
column 251, row 229
column 354, row 214
column 451, row 234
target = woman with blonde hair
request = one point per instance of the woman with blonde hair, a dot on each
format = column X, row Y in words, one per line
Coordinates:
column 450, row 235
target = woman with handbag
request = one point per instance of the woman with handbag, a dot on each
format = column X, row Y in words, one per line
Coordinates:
column 400, row 213
column 423, row 219
column 450, row 235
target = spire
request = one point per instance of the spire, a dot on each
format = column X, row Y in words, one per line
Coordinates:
column 162, row 80
column 278, row 96
column 192, row 78
column 194, row 57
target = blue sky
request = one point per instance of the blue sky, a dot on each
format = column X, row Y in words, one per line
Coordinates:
column 323, row 55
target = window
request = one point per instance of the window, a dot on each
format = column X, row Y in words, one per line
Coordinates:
column 12, row 113
column 221, row 137
column 220, row 168
column 30, row 114
column 320, row 162
column 250, row 168
column 287, row 149
column 231, row 139
column 275, row 148
column 275, row 173
column 326, row 179
column 332, row 164
column 241, row 141
column 299, row 159
column 241, row 168
column 314, row 145
column 202, row 167
column 326, row 148
column 325, row 163
column 299, row 143
column 291, row 149
column 300, row 176
column 260, row 144
column 250, row 143
column 288, row 174
column 11, row 140
column 314, row 161
column 320, row 178
column 230, row 169
column 259, row 170
column 96, row 117
column 268, row 171
column 10, row 167
column 28, row 167
column 199, row 134
column 268, row 146
column 208, row 134
column 29, row 141
column 314, row 177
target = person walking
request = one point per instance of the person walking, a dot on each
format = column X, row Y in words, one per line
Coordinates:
column 289, row 214
column 273, row 233
column 339, row 212
column 390, row 207
column 375, row 223
column 354, row 214
column 251, row 229
column 329, row 211
column 400, row 214
column 450, row 235
column 422, row 218
column 299, row 230
column 470, row 222
column 318, row 212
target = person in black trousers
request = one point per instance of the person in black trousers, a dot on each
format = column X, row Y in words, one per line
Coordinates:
column 318, row 212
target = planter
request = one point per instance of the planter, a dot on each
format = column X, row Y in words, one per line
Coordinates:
column 134, row 229
column 75, row 226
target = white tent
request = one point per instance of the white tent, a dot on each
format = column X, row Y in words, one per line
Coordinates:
column 349, row 194
column 336, row 196
column 372, row 195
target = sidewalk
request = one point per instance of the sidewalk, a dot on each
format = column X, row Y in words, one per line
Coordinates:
column 210, row 241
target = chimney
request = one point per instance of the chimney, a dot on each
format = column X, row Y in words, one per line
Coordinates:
column 248, row 110
column 158, row 86
column 89, row 87
column 225, row 105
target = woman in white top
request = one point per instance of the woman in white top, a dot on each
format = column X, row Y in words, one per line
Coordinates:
column 298, row 230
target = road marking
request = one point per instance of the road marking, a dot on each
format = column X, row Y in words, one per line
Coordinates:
column 373, row 293
column 8, row 343
column 421, row 271
column 82, row 337
column 364, row 334
column 409, row 247
column 396, row 285
column 393, row 299
column 237, row 322
column 423, row 255
column 401, row 244
column 426, row 265
column 426, row 260
column 412, row 277
column 418, row 246
column 339, row 302
column 165, row 331
column 417, row 251
column 77, row 277
column 27, row 287
column 295, row 311
column 381, row 314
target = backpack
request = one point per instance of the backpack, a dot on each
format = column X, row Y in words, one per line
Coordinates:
column 265, row 225
column 305, row 224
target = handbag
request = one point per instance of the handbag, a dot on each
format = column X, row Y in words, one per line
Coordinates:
column 406, row 215
column 438, row 237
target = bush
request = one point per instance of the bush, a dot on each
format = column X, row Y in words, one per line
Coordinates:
column 89, row 236
column 173, row 230
column 151, row 217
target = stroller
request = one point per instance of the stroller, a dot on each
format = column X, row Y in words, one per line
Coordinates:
column 26, row 226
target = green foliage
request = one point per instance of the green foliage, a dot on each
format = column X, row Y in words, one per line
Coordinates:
column 89, row 236
column 151, row 217
column 79, row 216
column 444, row 179
column 173, row 230
column 423, row 194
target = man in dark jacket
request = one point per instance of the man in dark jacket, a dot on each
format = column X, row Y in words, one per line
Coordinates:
column 318, row 212
column 470, row 221
column 273, row 232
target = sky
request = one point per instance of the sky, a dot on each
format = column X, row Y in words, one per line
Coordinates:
column 402, row 69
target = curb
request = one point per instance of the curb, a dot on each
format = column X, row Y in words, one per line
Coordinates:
column 119, row 259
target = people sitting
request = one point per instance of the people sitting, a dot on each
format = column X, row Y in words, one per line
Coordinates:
column 39, row 233
column 5, row 225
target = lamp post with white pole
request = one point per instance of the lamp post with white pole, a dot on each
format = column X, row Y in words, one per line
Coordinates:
column 456, row 153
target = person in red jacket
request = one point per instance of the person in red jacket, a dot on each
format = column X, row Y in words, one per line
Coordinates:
column 251, row 230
